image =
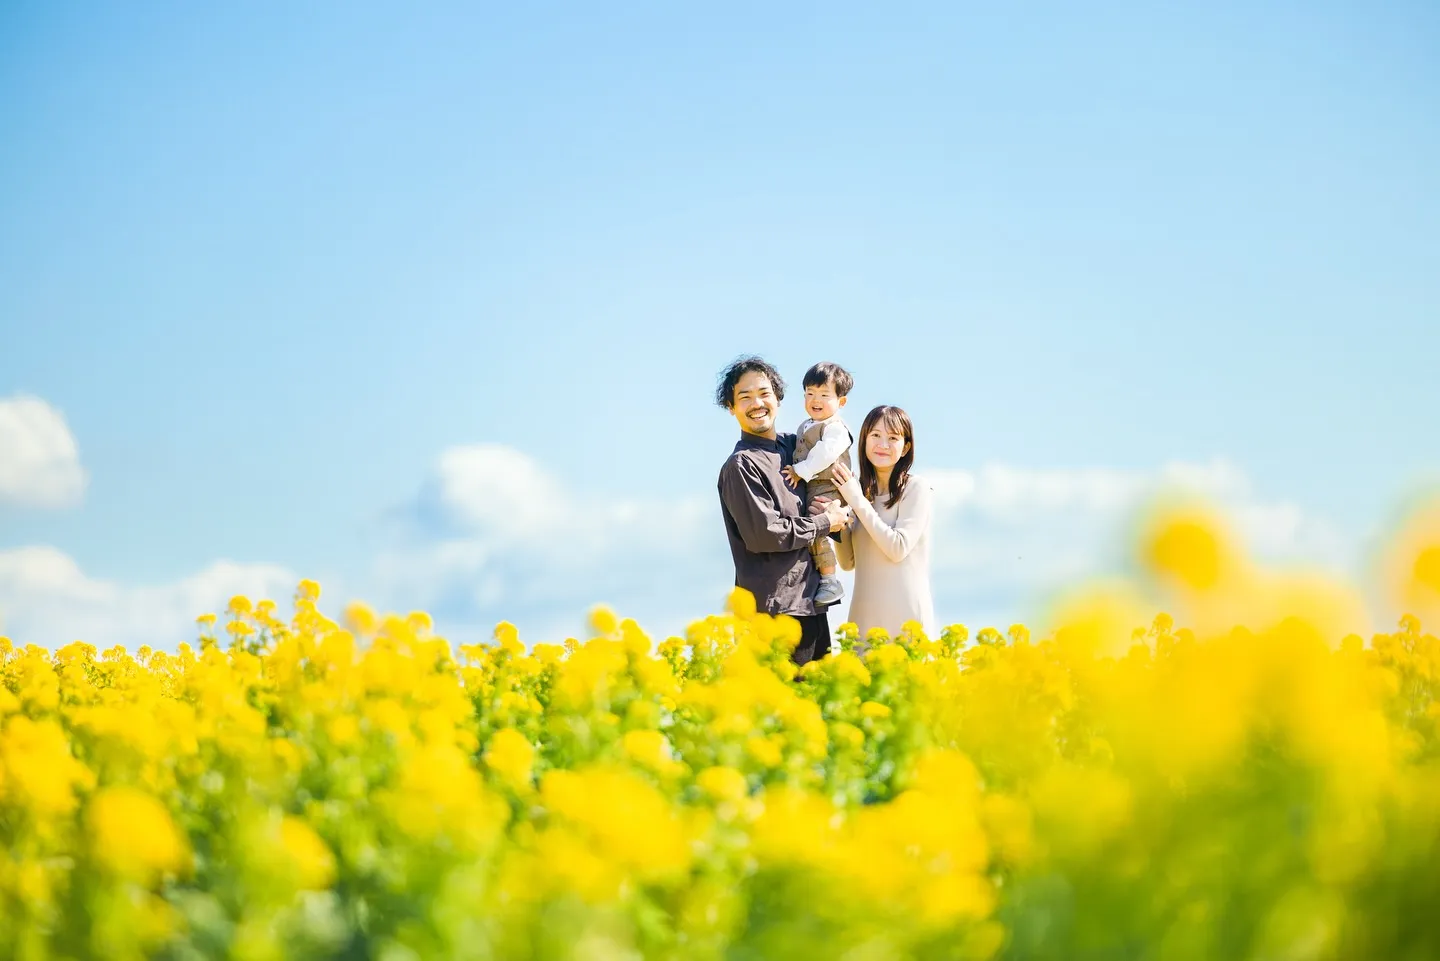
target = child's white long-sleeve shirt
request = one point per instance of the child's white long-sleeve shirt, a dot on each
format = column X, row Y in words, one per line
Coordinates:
column 834, row 439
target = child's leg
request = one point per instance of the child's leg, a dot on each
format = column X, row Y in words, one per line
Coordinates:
column 830, row 590
column 824, row 554
column 821, row 549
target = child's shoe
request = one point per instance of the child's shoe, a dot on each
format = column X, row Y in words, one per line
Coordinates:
column 830, row 592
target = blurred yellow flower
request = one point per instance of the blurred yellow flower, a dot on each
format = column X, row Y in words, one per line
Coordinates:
column 133, row 835
column 1258, row 764
column 764, row 751
column 647, row 748
column 313, row 861
column 360, row 619
column 628, row 820
column 511, row 756
column 1187, row 546
column 1426, row 570
column 603, row 622
column 37, row 770
column 741, row 603
column 723, row 784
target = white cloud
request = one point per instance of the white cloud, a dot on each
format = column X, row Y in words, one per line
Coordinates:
column 1006, row 538
column 46, row 599
column 510, row 501
column 495, row 536
column 39, row 459
column 498, row 536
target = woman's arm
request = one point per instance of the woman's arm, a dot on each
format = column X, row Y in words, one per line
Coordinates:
column 911, row 521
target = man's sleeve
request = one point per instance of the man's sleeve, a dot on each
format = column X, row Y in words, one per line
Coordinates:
column 833, row 442
column 756, row 515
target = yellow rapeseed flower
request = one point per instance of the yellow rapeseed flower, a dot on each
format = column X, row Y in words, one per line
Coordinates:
column 1114, row 755
column 848, row 666
column 360, row 618
column 343, row 730
column 723, row 784
column 37, row 770
column 1189, row 547
column 511, row 756
column 547, row 654
column 847, row 735
column 765, row 750
column 133, row 835
column 507, row 636
column 884, row 657
column 794, row 827
column 603, row 622
column 312, row 859
column 1098, row 619
column 741, row 603
column 649, row 749
column 1426, row 569
column 630, row 822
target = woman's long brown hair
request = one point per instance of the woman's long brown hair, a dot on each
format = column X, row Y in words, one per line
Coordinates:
column 893, row 420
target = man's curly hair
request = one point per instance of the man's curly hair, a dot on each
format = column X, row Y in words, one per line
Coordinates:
column 730, row 376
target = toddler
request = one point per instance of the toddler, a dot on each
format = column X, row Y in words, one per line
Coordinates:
column 823, row 441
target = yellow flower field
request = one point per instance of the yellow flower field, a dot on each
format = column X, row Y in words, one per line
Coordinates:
column 292, row 788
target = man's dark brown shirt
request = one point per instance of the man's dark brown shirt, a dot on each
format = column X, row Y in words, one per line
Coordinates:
column 769, row 531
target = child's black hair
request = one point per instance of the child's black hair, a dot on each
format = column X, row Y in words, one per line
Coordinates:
column 833, row 374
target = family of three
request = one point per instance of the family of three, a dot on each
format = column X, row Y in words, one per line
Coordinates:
column 785, row 498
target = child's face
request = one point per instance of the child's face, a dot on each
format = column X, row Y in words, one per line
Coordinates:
column 821, row 402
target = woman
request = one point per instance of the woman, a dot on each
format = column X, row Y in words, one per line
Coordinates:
column 888, row 542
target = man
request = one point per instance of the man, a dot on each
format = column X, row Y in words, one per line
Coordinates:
column 765, row 520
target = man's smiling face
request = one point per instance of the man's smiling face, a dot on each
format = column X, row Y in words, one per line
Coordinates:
column 755, row 404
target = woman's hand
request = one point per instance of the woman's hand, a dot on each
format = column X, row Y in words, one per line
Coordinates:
column 845, row 481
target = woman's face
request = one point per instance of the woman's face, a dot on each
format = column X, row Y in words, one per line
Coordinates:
column 885, row 446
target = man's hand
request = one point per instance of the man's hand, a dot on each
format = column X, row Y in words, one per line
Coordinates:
column 837, row 514
column 791, row 478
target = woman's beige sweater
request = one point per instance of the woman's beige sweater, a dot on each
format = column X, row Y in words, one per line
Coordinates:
column 889, row 550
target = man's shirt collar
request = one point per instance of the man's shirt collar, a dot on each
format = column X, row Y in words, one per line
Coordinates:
column 758, row 442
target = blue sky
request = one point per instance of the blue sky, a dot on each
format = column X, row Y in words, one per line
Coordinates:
column 271, row 263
